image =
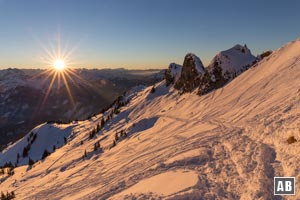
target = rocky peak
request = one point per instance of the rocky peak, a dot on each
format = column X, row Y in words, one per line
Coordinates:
column 243, row 49
column 173, row 73
column 233, row 61
column 192, row 69
column 192, row 62
column 225, row 66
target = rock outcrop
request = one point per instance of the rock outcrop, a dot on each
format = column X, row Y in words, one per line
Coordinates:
column 225, row 66
column 192, row 70
column 172, row 74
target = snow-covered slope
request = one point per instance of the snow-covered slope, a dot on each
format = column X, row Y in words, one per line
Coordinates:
column 44, row 137
column 227, row 144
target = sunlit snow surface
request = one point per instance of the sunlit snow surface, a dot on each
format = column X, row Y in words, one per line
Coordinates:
column 228, row 144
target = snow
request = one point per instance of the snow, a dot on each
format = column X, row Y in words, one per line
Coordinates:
column 163, row 184
column 192, row 154
column 227, row 144
column 234, row 59
column 48, row 135
column 175, row 71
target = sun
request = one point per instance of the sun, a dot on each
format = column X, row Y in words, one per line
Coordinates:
column 59, row 65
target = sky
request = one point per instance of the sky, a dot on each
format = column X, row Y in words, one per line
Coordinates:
column 139, row 33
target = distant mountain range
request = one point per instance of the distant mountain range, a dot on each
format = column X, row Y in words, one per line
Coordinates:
column 24, row 102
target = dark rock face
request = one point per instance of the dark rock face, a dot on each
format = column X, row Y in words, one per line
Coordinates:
column 265, row 54
column 169, row 78
column 212, row 80
column 192, row 70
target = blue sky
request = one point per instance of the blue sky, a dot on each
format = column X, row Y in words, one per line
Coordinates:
column 140, row 33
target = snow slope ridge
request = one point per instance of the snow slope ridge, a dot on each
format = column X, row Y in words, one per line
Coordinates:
column 44, row 137
column 227, row 144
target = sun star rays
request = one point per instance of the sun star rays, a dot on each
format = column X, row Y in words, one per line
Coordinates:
column 59, row 73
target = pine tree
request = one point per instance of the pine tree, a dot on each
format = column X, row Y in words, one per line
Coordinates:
column 102, row 123
column 98, row 128
column 33, row 139
column 45, row 154
column 92, row 133
column 116, row 136
column 12, row 194
column 18, row 157
column 114, row 143
column 3, row 197
column 85, row 154
column 116, row 111
column 123, row 133
column 152, row 90
column 25, row 152
column 30, row 162
column 11, row 171
column 8, row 165
column 96, row 146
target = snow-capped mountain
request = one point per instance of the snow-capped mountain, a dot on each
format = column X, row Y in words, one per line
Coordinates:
column 156, row 143
column 233, row 61
column 225, row 66
column 10, row 78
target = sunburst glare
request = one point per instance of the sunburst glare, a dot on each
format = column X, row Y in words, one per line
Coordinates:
column 59, row 65
column 59, row 72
